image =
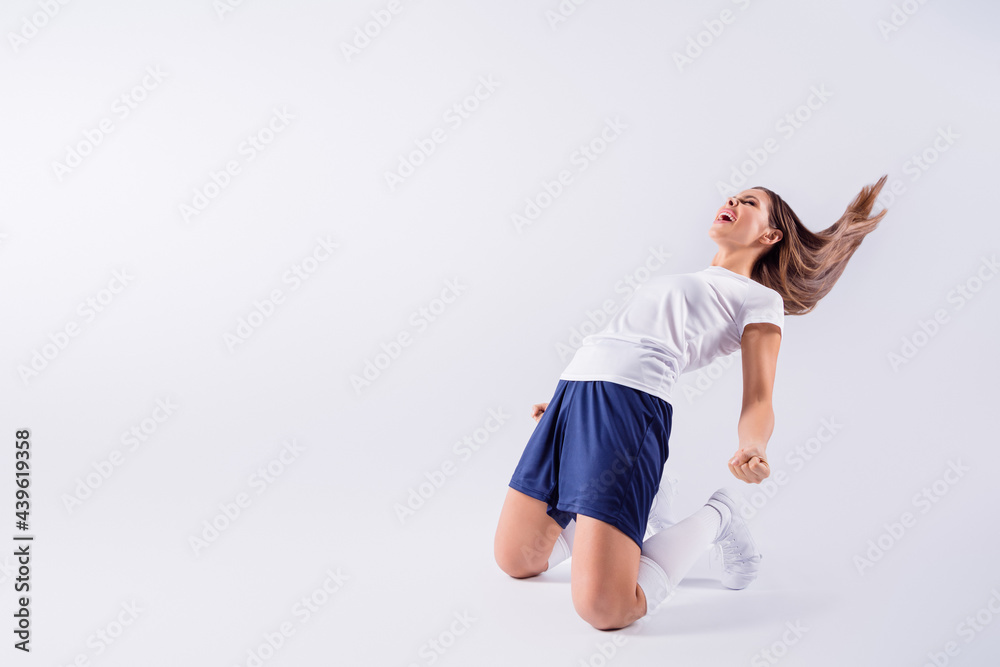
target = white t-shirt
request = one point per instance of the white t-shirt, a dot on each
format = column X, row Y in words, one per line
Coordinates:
column 673, row 324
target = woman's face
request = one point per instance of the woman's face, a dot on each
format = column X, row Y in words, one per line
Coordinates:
column 742, row 220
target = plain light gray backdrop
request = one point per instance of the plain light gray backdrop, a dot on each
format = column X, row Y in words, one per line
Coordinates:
column 304, row 475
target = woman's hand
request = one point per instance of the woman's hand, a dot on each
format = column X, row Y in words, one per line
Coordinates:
column 750, row 465
column 537, row 409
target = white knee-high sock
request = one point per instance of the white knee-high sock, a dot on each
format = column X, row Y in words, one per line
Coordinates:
column 670, row 554
column 563, row 548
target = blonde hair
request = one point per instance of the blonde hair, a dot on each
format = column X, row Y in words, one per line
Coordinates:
column 804, row 266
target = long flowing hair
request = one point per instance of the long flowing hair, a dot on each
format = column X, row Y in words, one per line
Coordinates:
column 804, row 266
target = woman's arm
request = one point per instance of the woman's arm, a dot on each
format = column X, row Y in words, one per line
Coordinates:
column 759, row 347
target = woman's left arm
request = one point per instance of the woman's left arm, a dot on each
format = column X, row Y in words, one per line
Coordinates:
column 759, row 347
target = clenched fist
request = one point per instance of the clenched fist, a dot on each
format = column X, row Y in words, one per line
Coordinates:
column 537, row 409
column 749, row 464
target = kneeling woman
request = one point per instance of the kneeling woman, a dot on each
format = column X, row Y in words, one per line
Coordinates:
column 590, row 471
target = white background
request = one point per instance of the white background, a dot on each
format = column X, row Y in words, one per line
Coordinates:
column 334, row 505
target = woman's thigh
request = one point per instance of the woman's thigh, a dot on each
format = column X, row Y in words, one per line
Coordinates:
column 605, row 568
column 525, row 535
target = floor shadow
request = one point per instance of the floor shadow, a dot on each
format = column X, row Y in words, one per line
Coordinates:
column 557, row 575
column 711, row 612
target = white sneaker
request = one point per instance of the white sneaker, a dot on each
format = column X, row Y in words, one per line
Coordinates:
column 661, row 511
column 740, row 558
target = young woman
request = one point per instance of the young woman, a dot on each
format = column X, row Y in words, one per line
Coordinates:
column 591, row 468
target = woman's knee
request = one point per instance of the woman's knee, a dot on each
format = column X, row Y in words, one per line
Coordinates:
column 605, row 567
column 519, row 562
column 604, row 612
column 525, row 536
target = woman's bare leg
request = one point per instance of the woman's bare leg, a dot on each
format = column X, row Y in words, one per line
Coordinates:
column 525, row 535
column 604, row 574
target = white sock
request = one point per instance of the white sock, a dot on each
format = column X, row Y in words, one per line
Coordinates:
column 670, row 554
column 563, row 548
column 655, row 583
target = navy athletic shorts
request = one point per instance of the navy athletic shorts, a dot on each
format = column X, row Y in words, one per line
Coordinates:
column 598, row 450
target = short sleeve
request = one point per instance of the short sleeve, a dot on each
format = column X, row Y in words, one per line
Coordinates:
column 762, row 305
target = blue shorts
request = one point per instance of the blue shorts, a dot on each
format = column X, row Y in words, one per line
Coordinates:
column 598, row 450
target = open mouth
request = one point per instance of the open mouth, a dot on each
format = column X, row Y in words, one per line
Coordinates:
column 726, row 216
